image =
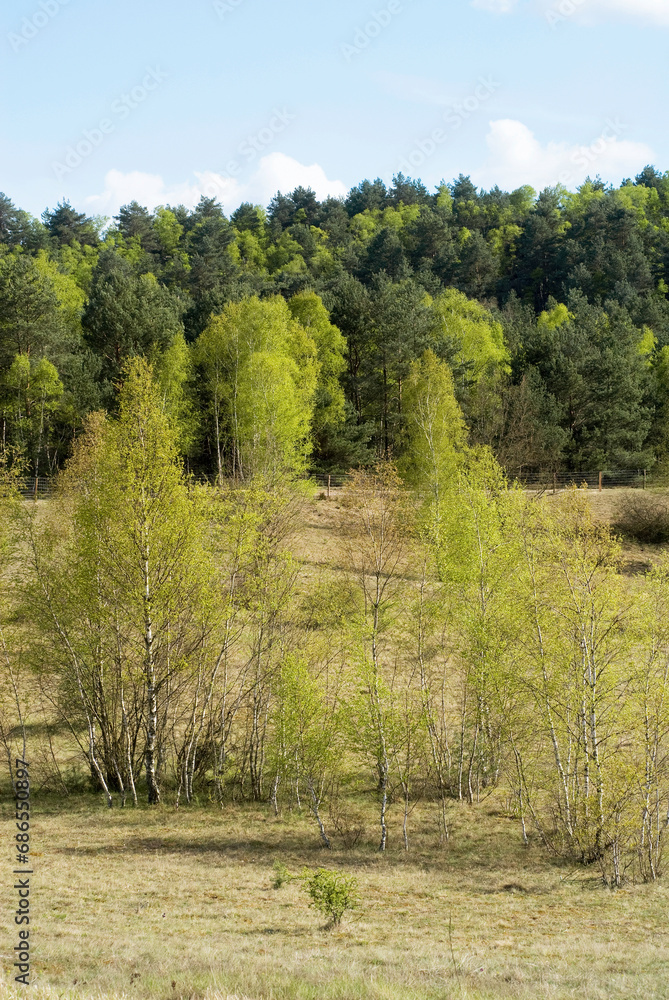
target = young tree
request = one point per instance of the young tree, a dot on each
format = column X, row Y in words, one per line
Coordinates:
column 174, row 375
column 136, row 614
column 15, row 686
column 329, row 401
column 158, row 548
column 260, row 370
column 478, row 559
column 33, row 392
column 474, row 343
column 594, row 763
column 376, row 547
column 435, row 442
column 305, row 746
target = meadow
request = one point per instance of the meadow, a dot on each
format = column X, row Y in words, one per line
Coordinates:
column 179, row 902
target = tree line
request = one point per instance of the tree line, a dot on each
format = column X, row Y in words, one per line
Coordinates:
column 550, row 310
column 163, row 637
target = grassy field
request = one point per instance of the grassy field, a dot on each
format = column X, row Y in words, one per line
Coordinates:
column 180, row 903
column 177, row 904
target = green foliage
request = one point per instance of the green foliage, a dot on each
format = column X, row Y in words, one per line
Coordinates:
column 479, row 339
column 281, row 875
column 261, row 370
column 550, row 310
column 590, row 362
column 128, row 314
column 174, row 375
column 67, row 226
column 71, row 297
column 435, row 431
column 31, row 393
column 331, row 893
column 122, row 583
column 582, row 688
column 30, row 320
column 330, row 403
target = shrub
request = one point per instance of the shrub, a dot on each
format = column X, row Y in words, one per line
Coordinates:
column 332, row 893
column 643, row 516
column 281, row 875
column 348, row 823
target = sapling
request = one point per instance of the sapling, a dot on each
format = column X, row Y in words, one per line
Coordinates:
column 332, row 893
column 281, row 875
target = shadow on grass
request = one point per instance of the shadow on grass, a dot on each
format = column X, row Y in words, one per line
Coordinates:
column 292, row 846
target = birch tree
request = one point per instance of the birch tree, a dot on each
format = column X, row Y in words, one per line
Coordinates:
column 377, row 547
column 122, row 585
column 306, row 736
column 596, row 737
column 260, row 369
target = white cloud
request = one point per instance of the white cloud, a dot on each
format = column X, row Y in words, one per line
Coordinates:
column 647, row 11
column 278, row 172
column 656, row 11
column 147, row 189
column 275, row 172
column 517, row 157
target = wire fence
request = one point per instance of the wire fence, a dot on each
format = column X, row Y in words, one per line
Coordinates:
column 42, row 488
column 330, row 482
column 36, row 488
column 538, row 481
column 600, row 480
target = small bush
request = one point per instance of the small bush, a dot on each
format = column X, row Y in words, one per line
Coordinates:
column 643, row 516
column 347, row 823
column 281, row 875
column 332, row 893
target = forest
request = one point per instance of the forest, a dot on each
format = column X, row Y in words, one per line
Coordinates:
column 549, row 309
column 452, row 637
column 183, row 622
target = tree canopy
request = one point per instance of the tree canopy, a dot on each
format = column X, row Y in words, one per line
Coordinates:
column 549, row 309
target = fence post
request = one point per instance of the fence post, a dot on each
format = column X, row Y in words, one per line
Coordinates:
column 600, row 482
column 329, row 478
column 554, row 483
column 36, row 481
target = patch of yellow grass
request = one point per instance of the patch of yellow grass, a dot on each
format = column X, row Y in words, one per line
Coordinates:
column 180, row 904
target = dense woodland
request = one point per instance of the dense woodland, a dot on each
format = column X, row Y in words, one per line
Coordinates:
column 166, row 632
column 169, row 640
column 550, row 310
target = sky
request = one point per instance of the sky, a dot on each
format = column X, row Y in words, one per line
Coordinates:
column 108, row 101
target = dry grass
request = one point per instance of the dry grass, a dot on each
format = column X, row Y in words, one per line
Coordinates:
column 638, row 558
column 176, row 904
column 179, row 904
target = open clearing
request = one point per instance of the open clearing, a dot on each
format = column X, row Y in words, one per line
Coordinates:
column 180, row 903
column 177, row 903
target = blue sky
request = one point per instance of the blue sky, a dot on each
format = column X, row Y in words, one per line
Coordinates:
column 162, row 101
